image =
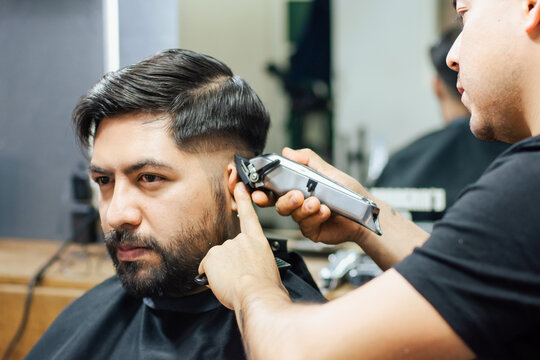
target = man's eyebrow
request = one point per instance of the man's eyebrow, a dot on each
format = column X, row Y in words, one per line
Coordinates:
column 146, row 163
column 132, row 168
column 98, row 170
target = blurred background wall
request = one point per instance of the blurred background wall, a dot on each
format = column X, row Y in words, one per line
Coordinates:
column 382, row 75
column 50, row 52
column 377, row 96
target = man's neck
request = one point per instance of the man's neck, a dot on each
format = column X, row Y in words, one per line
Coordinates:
column 529, row 93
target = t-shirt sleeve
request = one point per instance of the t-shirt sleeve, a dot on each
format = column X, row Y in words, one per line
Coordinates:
column 481, row 267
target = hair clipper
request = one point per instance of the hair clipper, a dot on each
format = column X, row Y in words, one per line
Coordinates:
column 278, row 174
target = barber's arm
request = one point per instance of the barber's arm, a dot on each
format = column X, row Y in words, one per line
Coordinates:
column 400, row 236
column 386, row 318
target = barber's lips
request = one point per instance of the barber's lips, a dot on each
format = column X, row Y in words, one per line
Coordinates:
column 460, row 88
column 131, row 253
column 464, row 99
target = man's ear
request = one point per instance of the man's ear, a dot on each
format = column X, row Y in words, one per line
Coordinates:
column 231, row 183
column 532, row 16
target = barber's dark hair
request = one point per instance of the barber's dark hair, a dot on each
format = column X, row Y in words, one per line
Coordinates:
column 200, row 94
column 438, row 53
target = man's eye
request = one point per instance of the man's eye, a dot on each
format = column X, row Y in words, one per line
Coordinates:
column 102, row 180
column 150, row 178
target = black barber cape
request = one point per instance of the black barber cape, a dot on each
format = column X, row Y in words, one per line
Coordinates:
column 108, row 323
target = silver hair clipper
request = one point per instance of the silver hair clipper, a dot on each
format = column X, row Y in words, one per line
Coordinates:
column 278, row 174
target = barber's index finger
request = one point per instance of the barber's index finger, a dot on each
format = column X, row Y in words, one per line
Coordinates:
column 249, row 221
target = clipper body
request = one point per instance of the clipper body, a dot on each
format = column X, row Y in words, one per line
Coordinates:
column 280, row 175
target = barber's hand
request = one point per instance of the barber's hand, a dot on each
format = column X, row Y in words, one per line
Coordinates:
column 315, row 219
column 243, row 264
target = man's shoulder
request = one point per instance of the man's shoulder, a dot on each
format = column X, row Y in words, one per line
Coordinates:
column 423, row 143
column 95, row 301
column 427, row 148
column 530, row 144
column 85, row 319
column 103, row 293
column 299, row 282
column 523, row 157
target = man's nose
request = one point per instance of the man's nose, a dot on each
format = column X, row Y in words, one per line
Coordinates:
column 452, row 59
column 123, row 210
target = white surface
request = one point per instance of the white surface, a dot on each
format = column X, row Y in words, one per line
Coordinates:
column 382, row 72
column 111, row 35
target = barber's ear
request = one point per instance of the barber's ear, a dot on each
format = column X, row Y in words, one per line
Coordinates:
column 231, row 183
column 533, row 15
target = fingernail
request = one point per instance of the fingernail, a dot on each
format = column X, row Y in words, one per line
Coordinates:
column 292, row 200
column 240, row 187
column 309, row 206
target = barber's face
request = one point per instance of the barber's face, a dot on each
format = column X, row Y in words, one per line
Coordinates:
column 488, row 57
column 160, row 209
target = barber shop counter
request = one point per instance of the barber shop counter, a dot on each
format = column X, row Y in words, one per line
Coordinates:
column 78, row 269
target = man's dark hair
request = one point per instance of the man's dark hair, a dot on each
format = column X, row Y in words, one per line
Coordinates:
column 200, row 94
column 438, row 53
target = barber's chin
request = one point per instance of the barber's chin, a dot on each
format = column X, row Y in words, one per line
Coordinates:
column 481, row 130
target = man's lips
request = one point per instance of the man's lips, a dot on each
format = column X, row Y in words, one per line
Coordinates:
column 131, row 253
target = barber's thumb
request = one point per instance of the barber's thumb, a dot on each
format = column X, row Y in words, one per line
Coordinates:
column 295, row 155
column 201, row 266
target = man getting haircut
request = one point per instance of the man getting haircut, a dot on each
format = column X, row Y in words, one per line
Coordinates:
column 163, row 134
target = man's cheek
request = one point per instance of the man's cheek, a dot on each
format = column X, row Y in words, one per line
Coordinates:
column 103, row 216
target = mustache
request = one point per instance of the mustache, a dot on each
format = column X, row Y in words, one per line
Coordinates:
column 128, row 237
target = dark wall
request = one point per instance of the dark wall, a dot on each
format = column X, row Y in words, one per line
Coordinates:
column 50, row 54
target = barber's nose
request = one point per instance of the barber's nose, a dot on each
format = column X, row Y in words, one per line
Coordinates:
column 123, row 210
column 452, row 59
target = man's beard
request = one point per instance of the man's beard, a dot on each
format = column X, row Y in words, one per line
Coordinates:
column 179, row 257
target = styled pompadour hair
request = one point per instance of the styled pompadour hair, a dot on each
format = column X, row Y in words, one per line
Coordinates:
column 200, row 95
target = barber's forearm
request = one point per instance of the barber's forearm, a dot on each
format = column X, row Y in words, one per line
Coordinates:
column 272, row 326
column 259, row 314
column 400, row 237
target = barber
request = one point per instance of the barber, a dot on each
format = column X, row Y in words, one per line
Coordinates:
column 472, row 287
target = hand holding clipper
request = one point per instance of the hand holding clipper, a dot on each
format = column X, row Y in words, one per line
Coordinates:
column 280, row 175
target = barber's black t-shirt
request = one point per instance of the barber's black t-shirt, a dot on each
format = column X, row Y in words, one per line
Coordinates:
column 481, row 267
column 108, row 323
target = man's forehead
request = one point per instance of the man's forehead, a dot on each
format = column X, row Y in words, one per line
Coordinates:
column 137, row 126
column 132, row 137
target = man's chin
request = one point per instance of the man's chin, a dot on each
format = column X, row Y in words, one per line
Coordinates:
column 141, row 279
column 136, row 270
